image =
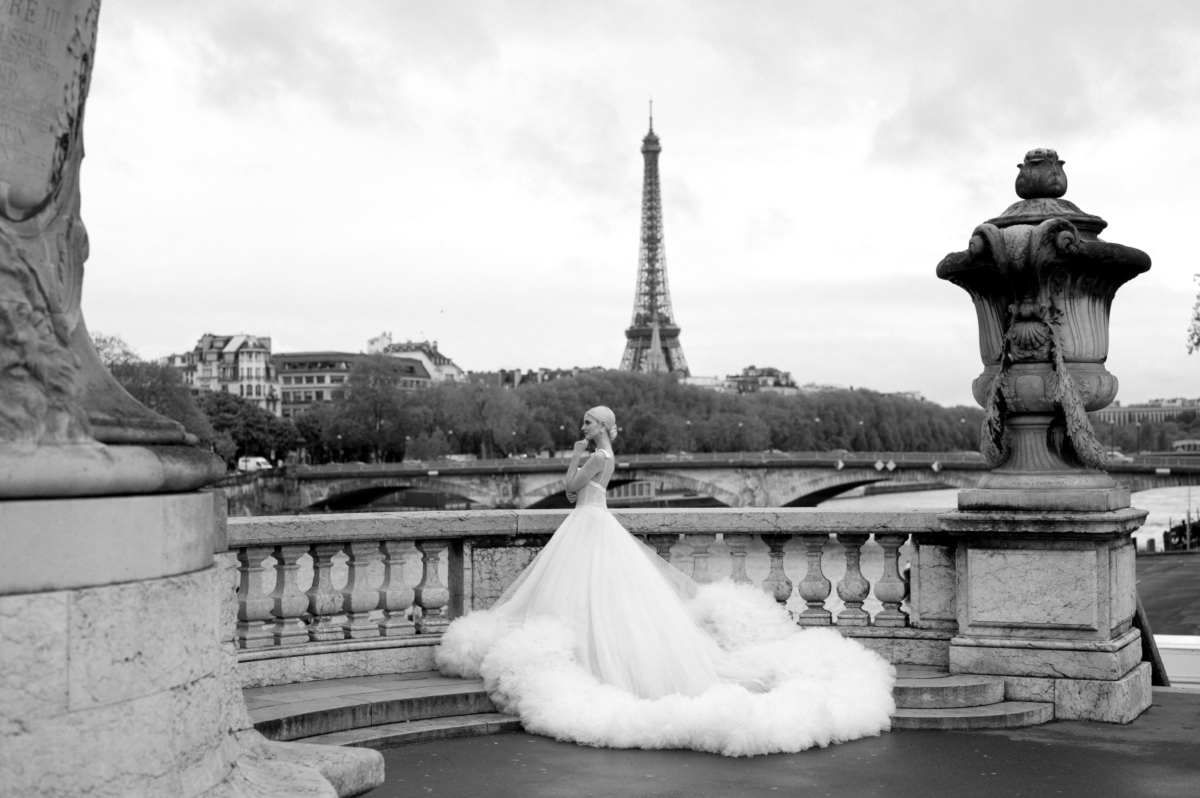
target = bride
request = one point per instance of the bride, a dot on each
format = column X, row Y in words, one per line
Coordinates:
column 602, row 642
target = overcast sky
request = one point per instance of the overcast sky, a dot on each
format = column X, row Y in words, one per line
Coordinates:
column 320, row 172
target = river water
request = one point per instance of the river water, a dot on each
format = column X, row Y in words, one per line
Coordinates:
column 1165, row 505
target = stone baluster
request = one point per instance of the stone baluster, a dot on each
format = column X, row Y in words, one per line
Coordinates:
column 777, row 583
column 737, row 543
column 662, row 544
column 288, row 602
column 814, row 587
column 394, row 597
column 891, row 589
column 254, row 605
column 431, row 595
column 357, row 599
column 700, row 544
column 854, row 587
column 323, row 601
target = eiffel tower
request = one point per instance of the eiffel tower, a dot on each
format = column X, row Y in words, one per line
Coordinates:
column 652, row 340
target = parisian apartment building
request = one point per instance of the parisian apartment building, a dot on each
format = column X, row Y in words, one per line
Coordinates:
column 439, row 367
column 237, row 364
column 313, row 377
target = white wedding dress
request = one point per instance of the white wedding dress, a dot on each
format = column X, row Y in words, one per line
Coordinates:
column 602, row 642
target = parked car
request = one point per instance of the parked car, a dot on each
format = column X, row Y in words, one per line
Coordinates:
column 253, row 463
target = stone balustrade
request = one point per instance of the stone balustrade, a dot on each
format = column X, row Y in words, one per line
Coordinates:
column 344, row 586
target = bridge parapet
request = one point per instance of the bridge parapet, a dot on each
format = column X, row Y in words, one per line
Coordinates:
column 324, row 596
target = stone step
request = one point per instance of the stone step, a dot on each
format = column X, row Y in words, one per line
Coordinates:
column 941, row 690
column 310, row 709
column 390, row 735
column 1005, row 715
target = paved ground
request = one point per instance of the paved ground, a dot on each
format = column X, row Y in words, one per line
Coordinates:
column 1169, row 585
column 1158, row 756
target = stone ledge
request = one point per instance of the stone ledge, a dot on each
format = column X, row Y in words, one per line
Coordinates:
column 104, row 541
column 1038, row 523
column 341, row 527
column 302, row 666
column 1055, row 662
column 336, row 647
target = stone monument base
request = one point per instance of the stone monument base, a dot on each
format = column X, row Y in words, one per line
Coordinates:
column 1046, row 600
column 118, row 660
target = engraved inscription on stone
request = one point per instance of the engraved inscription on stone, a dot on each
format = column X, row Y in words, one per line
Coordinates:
column 1042, row 588
column 38, row 94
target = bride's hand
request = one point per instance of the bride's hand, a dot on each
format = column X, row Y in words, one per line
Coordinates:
column 581, row 446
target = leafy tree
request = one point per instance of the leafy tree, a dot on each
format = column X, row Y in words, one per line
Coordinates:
column 253, row 431
column 113, row 349
column 161, row 389
column 428, row 447
column 370, row 418
column 157, row 386
column 1193, row 341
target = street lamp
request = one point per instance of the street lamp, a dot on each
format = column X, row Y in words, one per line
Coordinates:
column 341, row 456
column 1138, row 448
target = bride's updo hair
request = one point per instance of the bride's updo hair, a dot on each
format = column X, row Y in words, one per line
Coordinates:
column 607, row 419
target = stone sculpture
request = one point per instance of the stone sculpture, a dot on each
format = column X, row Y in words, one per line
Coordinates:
column 1043, row 283
column 92, row 703
column 66, row 426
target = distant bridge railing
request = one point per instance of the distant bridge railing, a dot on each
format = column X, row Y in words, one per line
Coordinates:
column 879, row 460
column 1187, row 464
column 331, row 595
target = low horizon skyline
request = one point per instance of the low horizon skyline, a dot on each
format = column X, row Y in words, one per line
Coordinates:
column 436, row 343
column 471, row 172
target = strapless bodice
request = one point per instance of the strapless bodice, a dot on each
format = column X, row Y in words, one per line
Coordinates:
column 592, row 495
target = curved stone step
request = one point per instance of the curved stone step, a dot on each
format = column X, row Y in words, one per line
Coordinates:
column 390, row 735
column 310, row 709
column 946, row 691
column 1005, row 715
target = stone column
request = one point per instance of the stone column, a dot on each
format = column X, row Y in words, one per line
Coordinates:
column 737, row 543
column 1044, row 563
column 117, row 608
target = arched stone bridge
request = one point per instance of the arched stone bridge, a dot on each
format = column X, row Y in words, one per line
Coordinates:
column 748, row 479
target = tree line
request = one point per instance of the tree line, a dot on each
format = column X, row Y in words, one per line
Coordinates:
column 378, row 421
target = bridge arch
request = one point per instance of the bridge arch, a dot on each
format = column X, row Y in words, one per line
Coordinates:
column 337, row 492
column 815, row 491
column 546, row 496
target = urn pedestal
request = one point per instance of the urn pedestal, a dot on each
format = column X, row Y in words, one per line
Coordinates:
column 1046, row 586
column 1047, row 600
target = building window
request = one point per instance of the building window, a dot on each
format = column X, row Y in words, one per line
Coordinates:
column 287, row 396
column 308, row 396
column 320, row 379
column 287, row 413
column 320, row 396
column 309, row 380
column 258, row 390
column 287, row 380
column 337, row 379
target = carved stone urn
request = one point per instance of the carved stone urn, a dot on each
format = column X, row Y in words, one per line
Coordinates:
column 1043, row 284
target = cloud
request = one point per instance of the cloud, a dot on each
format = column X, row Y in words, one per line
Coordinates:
column 1042, row 72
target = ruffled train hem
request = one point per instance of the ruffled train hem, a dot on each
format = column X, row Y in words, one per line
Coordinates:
column 820, row 688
